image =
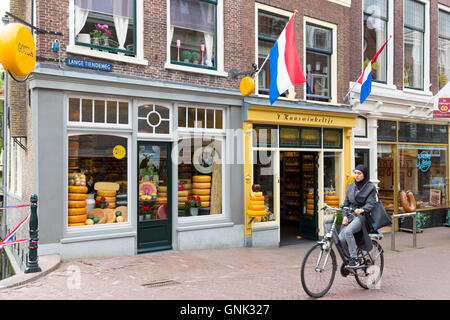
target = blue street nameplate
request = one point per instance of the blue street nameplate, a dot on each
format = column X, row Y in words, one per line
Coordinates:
column 96, row 65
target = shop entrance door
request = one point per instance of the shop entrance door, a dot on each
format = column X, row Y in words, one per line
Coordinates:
column 154, row 230
column 309, row 162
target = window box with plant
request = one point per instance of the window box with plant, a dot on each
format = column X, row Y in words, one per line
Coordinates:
column 193, row 204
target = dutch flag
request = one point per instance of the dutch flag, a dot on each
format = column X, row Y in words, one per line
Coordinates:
column 285, row 69
column 366, row 78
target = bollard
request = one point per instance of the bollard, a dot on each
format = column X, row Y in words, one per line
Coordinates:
column 32, row 263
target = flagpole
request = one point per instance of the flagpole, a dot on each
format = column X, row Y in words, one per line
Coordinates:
column 372, row 61
column 268, row 56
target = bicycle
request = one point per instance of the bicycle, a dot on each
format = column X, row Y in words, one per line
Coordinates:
column 316, row 264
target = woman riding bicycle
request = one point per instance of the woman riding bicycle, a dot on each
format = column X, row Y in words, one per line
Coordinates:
column 361, row 197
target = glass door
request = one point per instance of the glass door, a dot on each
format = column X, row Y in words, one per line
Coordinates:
column 309, row 195
column 154, row 204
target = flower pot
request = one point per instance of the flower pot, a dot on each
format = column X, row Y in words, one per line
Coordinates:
column 193, row 211
column 84, row 37
column 106, row 42
column 141, row 217
column 148, row 217
column 96, row 41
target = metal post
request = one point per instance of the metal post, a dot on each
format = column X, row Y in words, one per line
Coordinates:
column 393, row 233
column 32, row 264
column 414, row 230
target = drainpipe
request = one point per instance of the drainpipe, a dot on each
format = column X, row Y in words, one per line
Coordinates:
column 5, row 155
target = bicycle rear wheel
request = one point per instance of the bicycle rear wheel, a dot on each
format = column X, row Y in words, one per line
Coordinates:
column 318, row 271
column 370, row 276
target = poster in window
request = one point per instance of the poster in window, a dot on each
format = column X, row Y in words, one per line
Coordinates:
column 435, row 197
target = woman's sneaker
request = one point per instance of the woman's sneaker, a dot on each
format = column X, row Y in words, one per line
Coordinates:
column 353, row 263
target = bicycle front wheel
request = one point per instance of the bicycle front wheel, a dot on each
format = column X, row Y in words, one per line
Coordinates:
column 318, row 271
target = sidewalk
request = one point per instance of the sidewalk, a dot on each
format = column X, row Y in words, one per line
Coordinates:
column 243, row 273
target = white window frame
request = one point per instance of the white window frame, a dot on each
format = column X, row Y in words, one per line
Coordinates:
column 426, row 53
column 280, row 12
column 446, row 9
column 333, row 58
column 220, row 71
column 202, row 130
column 110, row 227
column 85, row 51
column 111, row 126
column 157, row 136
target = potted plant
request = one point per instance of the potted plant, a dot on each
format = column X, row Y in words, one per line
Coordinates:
column 195, row 57
column 106, row 35
column 443, row 79
column 193, row 203
column 96, row 34
column 186, row 56
column 102, row 203
column 145, row 212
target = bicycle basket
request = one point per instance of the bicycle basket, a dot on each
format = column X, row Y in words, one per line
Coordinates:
column 329, row 218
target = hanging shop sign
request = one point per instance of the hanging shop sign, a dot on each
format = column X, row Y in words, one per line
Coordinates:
column 442, row 103
column 424, row 161
column 88, row 64
column 17, row 50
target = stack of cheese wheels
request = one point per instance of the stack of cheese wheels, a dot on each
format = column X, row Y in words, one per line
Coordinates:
column 77, row 205
column 186, row 186
column 332, row 199
column 201, row 187
column 256, row 205
column 107, row 190
column 310, row 203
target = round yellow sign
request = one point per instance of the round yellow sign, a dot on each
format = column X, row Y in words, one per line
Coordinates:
column 247, row 86
column 17, row 49
column 119, row 152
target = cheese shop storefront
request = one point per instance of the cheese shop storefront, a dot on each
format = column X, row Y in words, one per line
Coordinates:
column 298, row 156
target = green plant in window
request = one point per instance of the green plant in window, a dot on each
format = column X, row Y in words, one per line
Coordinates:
column 195, row 57
column 406, row 76
column 443, row 79
column 186, row 56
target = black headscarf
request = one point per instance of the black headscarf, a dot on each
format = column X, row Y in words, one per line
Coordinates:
column 365, row 172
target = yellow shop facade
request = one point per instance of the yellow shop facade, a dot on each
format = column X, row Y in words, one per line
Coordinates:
column 299, row 154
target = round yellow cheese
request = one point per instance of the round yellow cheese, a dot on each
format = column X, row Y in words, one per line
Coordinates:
column 76, row 211
column 77, row 219
column 108, row 199
column 78, row 189
column 257, row 198
column 256, row 207
column 201, row 179
column 256, row 194
column 256, row 212
column 77, row 196
column 162, row 189
column 201, row 185
column 205, row 204
column 182, row 199
column 201, row 192
column 77, row 224
column 106, row 193
column 205, row 198
column 76, row 204
column 183, row 193
column 256, row 203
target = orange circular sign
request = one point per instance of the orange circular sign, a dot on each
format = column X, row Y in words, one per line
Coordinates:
column 247, row 86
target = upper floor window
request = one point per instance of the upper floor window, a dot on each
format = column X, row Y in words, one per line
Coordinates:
column 444, row 48
column 375, row 34
column 193, row 33
column 108, row 25
column 319, row 50
column 270, row 26
column 413, row 44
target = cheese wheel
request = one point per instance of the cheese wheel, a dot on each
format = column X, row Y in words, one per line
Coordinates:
column 162, row 189
column 162, row 195
column 256, row 207
column 76, row 211
column 77, row 224
column 310, row 196
column 106, row 193
column 256, row 212
column 256, row 194
column 77, row 219
column 187, row 186
column 332, row 198
column 309, row 211
column 112, row 205
column 77, row 196
column 257, row 198
column 205, row 198
column 309, row 201
column 201, row 192
column 256, row 203
column 183, row 193
column 205, row 204
column 332, row 203
column 76, row 204
column 78, row 189
column 106, row 186
column 201, row 179
column 110, row 215
column 107, row 199
column 182, row 199
column 201, row 185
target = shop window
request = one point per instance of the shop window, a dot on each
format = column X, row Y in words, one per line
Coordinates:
column 420, row 132
column 331, row 178
column 200, row 118
column 413, row 44
column 193, row 33
column 332, row 138
column 106, row 25
column 97, row 180
column 360, row 129
column 98, row 112
column 375, row 34
column 385, row 165
column 289, row 137
column 154, row 119
column 444, row 48
column 387, row 130
column 310, row 137
column 423, row 170
column 362, row 157
column 318, row 62
column 200, row 175
column 263, row 174
column 265, row 135
column 270, row 26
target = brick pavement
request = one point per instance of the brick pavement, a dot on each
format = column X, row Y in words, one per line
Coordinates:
column 243, row 273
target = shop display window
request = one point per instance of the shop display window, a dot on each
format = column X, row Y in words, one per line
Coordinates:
column 265, row 135
column 423, row 170
column 331, row 178
column 154, row 119
column 385, row 159
column 97, row 180
column 106, row 25
column 332, row 138
column 289, row 137
column 421, row 132
column 387, row 130
column 444, row 48
column 98, row 112
column 200, row 176
column 263, row 174
column 311, row 137
column 193, row 33
column 200, row 118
